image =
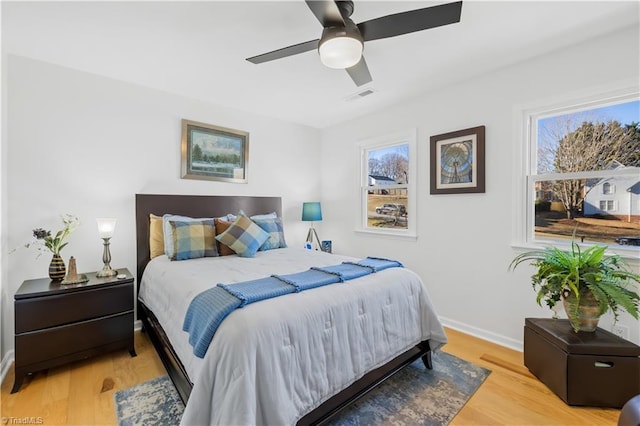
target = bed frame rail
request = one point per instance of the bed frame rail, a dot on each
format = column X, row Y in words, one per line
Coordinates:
column 325, row 411
column 169, row 358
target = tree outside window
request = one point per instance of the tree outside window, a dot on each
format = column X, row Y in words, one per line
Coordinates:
column 387, row 195
column 387, row 187
column 581, row 154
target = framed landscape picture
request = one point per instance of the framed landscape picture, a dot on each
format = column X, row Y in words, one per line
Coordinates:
column 457, row 162
column 214, row 153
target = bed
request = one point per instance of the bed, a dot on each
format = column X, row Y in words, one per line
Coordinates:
column 241, row 378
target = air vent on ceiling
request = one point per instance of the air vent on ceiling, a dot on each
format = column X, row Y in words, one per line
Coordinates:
column 360, row 95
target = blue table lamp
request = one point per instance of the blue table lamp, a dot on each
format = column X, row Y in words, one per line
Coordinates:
column 312, row 212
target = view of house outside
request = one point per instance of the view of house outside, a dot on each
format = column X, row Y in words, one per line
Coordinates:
column 387, row 199
column 587, row 175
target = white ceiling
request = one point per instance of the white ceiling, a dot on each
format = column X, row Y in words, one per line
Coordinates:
column 198, row 49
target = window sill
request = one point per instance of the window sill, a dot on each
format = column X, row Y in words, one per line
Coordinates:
column 387, row 234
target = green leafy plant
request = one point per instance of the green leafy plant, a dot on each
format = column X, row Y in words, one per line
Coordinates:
column 561, row 273
column 54, row 243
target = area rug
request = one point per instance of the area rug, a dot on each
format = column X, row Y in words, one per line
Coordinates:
column 413, row 396
column 155, row 402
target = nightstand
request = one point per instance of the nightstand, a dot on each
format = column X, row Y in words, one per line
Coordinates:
column 56, row 324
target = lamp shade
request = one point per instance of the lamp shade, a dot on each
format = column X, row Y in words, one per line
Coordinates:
column 106, row 226
column 311, row 212
column 340, row 52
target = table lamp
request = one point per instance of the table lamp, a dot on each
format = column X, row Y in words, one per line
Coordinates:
column 312, row 212
column 106, row 226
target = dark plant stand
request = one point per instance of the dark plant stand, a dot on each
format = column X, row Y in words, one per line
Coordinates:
column 586, row 368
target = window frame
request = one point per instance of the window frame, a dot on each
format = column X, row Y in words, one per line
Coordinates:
column 405, row 137
column 525, row 161
column 614, row 205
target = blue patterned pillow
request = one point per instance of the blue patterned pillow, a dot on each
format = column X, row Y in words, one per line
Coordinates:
column 273, row 226
column 243, row 236
column 169, row 248
column 192, row 240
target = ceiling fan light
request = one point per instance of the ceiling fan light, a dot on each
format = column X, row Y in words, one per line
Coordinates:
column 340, row 52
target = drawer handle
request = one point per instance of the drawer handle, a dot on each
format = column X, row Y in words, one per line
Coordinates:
column 603, row 364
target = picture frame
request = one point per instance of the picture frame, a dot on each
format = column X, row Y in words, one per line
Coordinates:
column 326, row 246
column 457, row 162
column 211, row 152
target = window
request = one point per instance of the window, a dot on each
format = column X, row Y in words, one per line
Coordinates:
column 607, row 205
column 387, row 184
column 608, row 188
column 577, row 154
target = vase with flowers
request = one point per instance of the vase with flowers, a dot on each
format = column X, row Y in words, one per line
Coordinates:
column 45, row 241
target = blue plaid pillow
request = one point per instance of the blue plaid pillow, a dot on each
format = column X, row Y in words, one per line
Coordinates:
column 274, row 227
column 169, row 248
column 243, row 236
column 192, row 240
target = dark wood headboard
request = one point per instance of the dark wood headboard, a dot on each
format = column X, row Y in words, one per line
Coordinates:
column 193, row 206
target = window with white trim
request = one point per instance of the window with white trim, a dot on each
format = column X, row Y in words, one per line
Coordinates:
column 577, row 153
column 608, row 188
column 607, row 205
column 387, row 184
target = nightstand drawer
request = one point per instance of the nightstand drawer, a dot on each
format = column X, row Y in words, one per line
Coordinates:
column 44, row 312
column 51, row 343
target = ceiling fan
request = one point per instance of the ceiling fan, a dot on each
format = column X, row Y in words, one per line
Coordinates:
column 342, row 41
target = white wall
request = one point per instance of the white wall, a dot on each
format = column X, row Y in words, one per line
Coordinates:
column 463, row 247
column 80, row 143
column 83, row 144
column 4, row 364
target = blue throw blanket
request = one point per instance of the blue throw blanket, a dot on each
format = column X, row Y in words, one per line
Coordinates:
column 204, row 316
column 346, row 271
column 308, row 279
column 378, row 263
column 256, row 290
column 209, row 308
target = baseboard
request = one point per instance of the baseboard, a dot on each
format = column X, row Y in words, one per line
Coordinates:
column 137, row 325
column 6, row 364
column 489, row 336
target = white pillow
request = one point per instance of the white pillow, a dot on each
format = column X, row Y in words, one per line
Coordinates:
column 271, row 215
column 230, row 217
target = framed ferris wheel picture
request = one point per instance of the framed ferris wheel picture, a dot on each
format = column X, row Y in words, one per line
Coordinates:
column 457, row 162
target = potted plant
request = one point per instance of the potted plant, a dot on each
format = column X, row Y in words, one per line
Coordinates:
column 588, row 282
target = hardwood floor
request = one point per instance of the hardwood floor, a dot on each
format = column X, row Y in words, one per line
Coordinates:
column 511, row 395
column 82, row 393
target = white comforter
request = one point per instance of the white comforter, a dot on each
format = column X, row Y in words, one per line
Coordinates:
column 273, row 361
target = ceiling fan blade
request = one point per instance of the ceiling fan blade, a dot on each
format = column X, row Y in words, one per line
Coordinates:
column 327, row 12
column 359, row 73
column 284, row 52
column 411, row 21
